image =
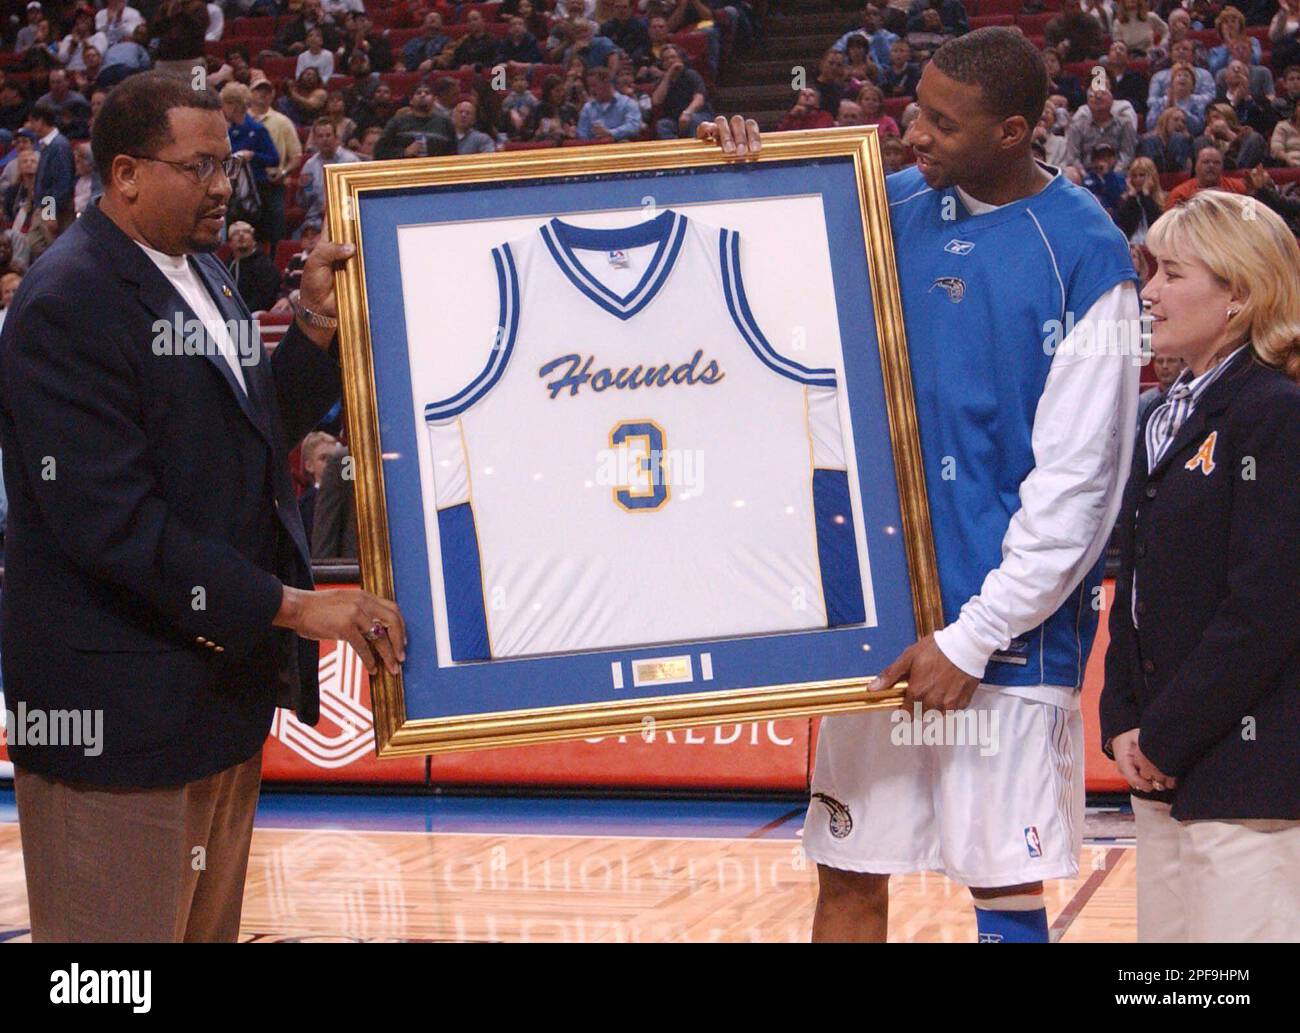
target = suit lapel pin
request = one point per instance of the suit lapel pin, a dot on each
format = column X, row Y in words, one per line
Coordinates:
column 226, row 291
column 1204, row 458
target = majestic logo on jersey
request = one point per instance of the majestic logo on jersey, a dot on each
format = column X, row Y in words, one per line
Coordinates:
column 1204, row 457
column 959, row 247
column 1032, row 843
column 346, row 731
column 579, row 374
column 955, row 287
column 841, row 820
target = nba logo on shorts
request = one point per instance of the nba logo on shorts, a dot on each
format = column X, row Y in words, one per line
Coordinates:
column 1032, row 842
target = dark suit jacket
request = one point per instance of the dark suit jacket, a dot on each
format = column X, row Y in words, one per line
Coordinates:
column 152, row 520
column 307, row 510
column 258, row 280
column 334, row 517
column 56, row 176
column 1133, row 87
column 1212, row 674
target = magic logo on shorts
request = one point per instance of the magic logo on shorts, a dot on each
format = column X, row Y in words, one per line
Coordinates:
column 1032, row 843
column 841, row 821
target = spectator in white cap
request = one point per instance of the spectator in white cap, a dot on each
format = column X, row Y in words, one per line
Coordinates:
column 261, row 95
column 27, row 34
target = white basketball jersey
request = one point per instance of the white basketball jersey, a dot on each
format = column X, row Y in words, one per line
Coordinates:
column 636, row 464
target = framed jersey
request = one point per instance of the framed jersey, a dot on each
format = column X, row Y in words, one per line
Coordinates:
column 633, row 437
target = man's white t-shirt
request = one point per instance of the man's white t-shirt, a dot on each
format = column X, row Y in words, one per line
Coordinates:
column 187, row 282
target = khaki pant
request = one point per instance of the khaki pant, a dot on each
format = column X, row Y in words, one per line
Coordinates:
column 1216, row 881
column 121, row 864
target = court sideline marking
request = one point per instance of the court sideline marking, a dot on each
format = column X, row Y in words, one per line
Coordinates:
column 1075, row 907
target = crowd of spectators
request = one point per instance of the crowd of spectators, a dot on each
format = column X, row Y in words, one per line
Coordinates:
column 1140, row 94
column 308, row 83
column 1148, row 101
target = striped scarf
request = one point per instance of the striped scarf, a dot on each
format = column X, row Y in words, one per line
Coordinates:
column 1170, row 415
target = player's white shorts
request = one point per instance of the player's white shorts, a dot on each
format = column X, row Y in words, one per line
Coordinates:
column 1005, row 809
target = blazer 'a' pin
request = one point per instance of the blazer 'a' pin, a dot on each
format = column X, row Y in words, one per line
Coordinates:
column 226, row 291
column 1204, row 458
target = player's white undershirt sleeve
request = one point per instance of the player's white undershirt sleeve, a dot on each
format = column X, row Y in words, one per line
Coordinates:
column 1082, row 442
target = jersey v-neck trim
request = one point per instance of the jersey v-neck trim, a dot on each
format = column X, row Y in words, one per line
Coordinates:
column 666, row 230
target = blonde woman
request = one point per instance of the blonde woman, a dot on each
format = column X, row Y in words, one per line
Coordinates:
column 1138, row 27
column 1169, row 144
column 1142, row 202
column 1201, row 706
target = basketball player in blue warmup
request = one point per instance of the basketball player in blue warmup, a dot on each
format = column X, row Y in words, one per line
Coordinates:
column 1021, row 312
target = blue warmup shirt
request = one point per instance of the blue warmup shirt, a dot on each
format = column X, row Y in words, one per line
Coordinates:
column 980, row 294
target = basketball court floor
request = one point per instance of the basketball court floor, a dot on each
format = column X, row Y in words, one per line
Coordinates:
column 509, row 869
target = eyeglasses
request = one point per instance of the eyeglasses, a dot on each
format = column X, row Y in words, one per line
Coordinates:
column 203, row 169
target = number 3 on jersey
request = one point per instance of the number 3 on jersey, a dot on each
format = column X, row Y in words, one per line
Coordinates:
column 645, row 440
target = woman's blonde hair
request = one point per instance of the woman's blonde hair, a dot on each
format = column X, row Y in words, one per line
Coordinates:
column 1254, row 254
column 1230, row 14
column 312, row 442
column 1167, row 116
column 1153, row 174
column 1228, row 112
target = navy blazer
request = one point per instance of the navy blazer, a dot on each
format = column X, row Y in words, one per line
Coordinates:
column 56, row 175
column 152, row 520
column 1212, row 674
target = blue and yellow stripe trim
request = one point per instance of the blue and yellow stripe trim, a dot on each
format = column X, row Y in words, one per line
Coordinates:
column 733, row 288
column 507, row 329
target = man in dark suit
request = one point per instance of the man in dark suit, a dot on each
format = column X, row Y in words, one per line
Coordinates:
column 56, row 175
column 334, row 517
column 256, row 277
column 157, row 578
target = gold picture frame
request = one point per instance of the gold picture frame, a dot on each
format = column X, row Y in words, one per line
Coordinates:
column 346, row 187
